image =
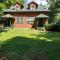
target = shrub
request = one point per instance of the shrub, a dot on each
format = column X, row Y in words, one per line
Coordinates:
column 51, row 27
column 58, row 26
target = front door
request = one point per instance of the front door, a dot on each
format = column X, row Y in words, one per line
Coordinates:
column 40, row 22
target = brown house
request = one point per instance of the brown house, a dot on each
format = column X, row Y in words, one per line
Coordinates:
column 29, row 15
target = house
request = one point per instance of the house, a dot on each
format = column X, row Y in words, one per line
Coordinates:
column 29, row 15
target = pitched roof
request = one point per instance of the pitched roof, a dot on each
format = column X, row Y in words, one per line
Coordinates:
column 42, row 16
column 18, row 3
column 33, row 3
column 40, row 8
column 8, row 15
column 25, row 6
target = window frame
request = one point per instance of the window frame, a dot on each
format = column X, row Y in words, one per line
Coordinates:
column 19, row 20
column 30, row 20
column 33, row 7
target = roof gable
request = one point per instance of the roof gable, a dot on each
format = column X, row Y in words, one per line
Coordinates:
column 8, row 15
column 18, row 4
column 33, row 3
column 42, row 16
column 24, row 8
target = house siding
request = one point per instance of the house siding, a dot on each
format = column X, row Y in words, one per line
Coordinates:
column 25, row 18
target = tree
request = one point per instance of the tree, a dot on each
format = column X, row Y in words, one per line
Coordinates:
column 7, row 3
column 10, row 2
column 2, row 7
column 55, row 9
column 57, row 17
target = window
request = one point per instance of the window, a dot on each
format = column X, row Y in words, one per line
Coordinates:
column 30, row 20
column 32, row 7
column 17, row 7
column 19, row 20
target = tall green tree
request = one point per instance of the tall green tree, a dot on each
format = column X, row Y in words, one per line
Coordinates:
column 2, row 7
column 10, row 2
column 7, row 3
column 55, row 9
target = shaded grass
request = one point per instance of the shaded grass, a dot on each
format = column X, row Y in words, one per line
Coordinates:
column 26, row 44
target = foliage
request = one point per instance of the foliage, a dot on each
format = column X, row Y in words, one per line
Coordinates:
column 7, row 3
column 57, row 17
column 1, row 1
column 55, row 8
column 2, row 7
column 51, row 27
column 10, row 2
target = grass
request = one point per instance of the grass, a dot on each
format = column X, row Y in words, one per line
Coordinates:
column 27, row 44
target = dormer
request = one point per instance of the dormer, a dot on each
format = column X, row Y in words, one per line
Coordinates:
column 32, row 5
column 16, row 6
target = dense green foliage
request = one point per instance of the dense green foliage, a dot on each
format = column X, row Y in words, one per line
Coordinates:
column 7, row 3
column 54, row 16
column 55, row 9
column 2, row 7
column 10, row 2
column 53, row 26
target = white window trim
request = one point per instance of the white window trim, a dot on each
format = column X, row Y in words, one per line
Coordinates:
column 30, row 20
column 19, row 20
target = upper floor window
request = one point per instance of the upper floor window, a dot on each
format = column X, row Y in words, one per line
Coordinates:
column 16, row 6
column 32, row 6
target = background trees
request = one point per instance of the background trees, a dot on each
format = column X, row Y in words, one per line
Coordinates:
column 7, row 3
column 54, row 16
column 55, row 10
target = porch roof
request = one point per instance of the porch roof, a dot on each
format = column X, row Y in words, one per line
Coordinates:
column 8, row 16
column 42, row 16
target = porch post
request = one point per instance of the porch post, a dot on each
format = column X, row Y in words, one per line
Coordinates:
column 10, row 23
column 46, row 21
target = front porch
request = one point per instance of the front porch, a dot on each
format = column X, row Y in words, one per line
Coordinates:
column 40, row 21
column 7, row 20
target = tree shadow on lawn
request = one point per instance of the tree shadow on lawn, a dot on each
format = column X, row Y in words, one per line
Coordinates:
column 22, row 48
column 53, row 36
column 3, row 31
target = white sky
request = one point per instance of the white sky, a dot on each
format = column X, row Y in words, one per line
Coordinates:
column 38, row 1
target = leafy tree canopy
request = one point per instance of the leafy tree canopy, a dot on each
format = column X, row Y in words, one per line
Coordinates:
column 7, row 3
column 55, row 9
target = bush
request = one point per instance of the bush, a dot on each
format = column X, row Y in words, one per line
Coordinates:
column 58, row 27
column 51, row 27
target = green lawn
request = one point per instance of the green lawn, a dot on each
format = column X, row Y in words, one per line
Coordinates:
column 27, row 44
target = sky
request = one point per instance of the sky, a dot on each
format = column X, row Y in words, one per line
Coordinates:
column 38, row 1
